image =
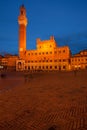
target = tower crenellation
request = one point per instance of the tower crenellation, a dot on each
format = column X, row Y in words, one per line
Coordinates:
column 22, row 19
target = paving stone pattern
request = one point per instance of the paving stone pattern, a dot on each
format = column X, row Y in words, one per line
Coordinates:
column 48, row 108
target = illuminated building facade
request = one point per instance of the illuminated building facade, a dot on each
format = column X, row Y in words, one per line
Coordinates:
column 47, row 56
column 8, row 62
column 79, row 61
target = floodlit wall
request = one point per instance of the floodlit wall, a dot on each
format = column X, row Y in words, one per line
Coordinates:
column 47, row 56
column 79, row 61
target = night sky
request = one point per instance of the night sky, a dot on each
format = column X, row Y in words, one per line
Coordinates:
column 65, row 19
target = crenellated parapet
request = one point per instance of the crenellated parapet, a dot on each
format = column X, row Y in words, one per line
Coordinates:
column 46, row 44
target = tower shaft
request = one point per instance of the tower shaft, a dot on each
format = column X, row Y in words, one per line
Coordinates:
column 22, row 20
column 22, row 38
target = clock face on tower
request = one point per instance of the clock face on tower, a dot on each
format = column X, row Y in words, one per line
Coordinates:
column 21, row 49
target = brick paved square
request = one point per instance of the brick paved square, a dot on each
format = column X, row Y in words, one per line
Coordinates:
column 45, row 101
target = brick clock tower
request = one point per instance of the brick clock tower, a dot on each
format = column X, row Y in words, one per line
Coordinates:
column 22, row 20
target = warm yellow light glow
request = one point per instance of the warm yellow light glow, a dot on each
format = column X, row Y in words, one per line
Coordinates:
column 45, row 47
column 21, row 49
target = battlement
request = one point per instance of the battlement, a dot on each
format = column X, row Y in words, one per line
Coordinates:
column 46, row 44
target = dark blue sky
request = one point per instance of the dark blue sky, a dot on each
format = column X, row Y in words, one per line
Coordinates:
column 65, row 19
